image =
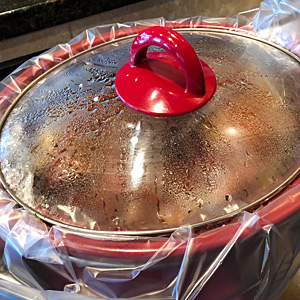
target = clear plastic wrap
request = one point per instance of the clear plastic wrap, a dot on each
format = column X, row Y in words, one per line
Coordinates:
column 253, row 256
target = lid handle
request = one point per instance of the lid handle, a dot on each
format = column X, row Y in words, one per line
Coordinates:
column 174, row 44
column 164, row 83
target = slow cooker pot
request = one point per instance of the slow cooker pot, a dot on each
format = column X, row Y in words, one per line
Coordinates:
column 74, row 154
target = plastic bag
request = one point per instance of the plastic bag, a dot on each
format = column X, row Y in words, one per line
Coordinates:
column 251, row 257
column 277, row 21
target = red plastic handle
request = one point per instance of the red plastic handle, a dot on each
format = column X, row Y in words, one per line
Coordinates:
column 174, row 44
column 166, row 83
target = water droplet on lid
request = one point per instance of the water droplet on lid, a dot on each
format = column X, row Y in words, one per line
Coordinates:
column 222, row 85
column 228, row 198
column 103, row 98
column 93, row 107
column 200, row 202
column 113, row 95
column 207, row 124
column 118, row 109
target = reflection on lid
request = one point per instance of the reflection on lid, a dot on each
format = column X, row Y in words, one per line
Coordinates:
column 137, row 169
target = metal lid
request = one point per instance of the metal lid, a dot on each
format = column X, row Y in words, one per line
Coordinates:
column 73, row 153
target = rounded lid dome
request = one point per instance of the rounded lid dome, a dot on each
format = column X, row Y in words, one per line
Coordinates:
column 74, row 153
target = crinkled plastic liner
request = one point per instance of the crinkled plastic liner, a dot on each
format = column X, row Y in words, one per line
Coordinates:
column 251, row 257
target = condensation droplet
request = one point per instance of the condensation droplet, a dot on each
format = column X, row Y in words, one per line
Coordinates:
column 228, row 198
column 116, row 221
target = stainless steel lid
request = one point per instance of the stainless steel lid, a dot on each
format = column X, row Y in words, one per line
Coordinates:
column 75, row 154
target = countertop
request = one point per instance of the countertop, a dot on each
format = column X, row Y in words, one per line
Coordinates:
column 18, row 17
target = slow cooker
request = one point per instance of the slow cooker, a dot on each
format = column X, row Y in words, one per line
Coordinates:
column 165, row 176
